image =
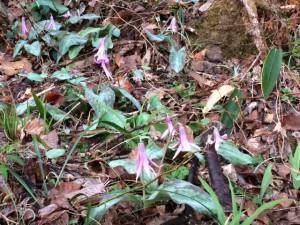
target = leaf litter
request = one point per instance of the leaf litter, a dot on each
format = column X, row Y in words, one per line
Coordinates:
column 90, row 127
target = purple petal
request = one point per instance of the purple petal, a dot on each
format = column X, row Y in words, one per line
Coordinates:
column 184, row 139
column 107, row 73
column 23, row 26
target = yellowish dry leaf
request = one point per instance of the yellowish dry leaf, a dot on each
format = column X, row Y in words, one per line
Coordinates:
column 216, row 96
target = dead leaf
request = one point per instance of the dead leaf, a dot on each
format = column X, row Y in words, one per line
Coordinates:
column 216, row 96
column 34, row 127
column 125, row 83
column 26, row 95
column 206, row 5
column 155, row 92
column 51, row 139
column 291, row 122
column 54, row 98
column 13, row 68
column 147, row 58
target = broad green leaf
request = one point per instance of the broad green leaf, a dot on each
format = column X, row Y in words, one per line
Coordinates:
column 39, row 27
column 177, row 59
column 68, row 41
column 128, row 164
column 34, row 48
column 271, row 70
column 89, row 30
column 55, row 153
column 89, row 16
column 3, row 171
column 22, row 107
column 52, row 4
column 62, row 74
column 77, row 80
column 183, row 192
column 232, row 109
column 34, row 76
column 74, row 51
column 153, row 151
column 15, row 158
column 98, row 212
column 121, row 91
column 18, row 47
column 155, row 38
column 56, row 113
column 112, row 115
column 231, row 152
column 106, row 97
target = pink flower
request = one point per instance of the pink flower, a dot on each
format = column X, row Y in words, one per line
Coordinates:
column 143, row 161
column 67, row 14
column 51, row 24
column 102, row 58
column 173, row 25
column 184, row 142
column 170, row 129
column 218, row 140
column 23, row 26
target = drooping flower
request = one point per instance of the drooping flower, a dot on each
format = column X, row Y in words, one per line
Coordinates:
column 102, row 58
column 23, row 26
column 173, row 25
column 143, row 161
column 184, row 142
column 170, row 128
column 218, row 140
column 51, row 24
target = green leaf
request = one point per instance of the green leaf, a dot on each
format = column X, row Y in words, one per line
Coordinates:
column 55, row 153
column 34, row 76
column 15, row 158
column 265, row 181
column 106, row 97
column 56, row 113
column 128, row 164
column 262, row 208
column 74, row 51
column 3, row 171
column 18, row 47
column 121, row 91
column 68, row 41
column 39, row 27
column 231, row 152
column 153, row 151
column 89, row 30
column 232, row 109
column 183, row 192
column 22, row 107
column 35, row 6
column 39, row 105
column 108, row 201
column 62, row 74
column 155, row 38
column 295, row 167
column 220, row 211
column 89, row 16
column 177, row 59
column 271, row 70
column 34, row 48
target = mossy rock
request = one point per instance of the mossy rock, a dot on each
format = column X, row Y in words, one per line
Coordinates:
column 222, row 24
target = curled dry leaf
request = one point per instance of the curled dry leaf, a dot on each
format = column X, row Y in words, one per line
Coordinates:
column 125, row 83
column 216, row 96
column 54, row 98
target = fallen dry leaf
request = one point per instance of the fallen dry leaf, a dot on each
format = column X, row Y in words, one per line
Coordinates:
column 216, row 96
column 291, row 122
column 51, row 139
column 155, row 92
column 54, row 98
column 34, row 127
column 125, row 83
column 12, row 68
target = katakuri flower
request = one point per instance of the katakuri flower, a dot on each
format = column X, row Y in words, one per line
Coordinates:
column 23, row 26
column 102, row 58
column 173, row 25
column 218, row 139
column 184, row 142
column 51, row 24
column 143, row 161
column 170, row 129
